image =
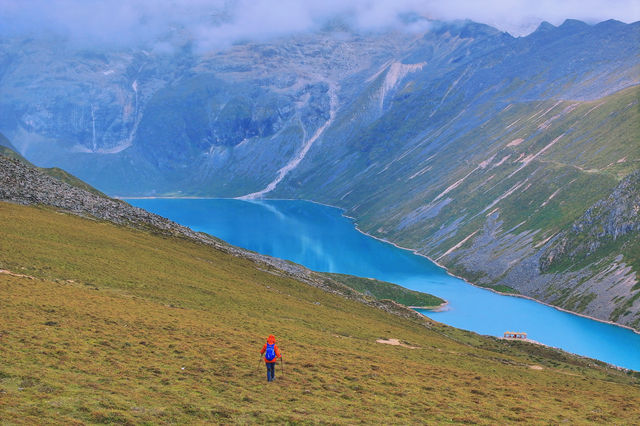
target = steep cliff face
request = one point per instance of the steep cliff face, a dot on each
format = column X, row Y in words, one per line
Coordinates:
column 140, row 122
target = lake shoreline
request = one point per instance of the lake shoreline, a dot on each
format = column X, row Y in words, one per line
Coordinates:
column 413, row 251
column 522, row 296
column 440, row 308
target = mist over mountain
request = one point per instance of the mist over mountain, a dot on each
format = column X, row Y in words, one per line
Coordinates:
column 213, row 24
column 240, row 114
column 471, row 145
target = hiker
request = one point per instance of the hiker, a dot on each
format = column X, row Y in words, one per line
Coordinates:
column 271, row 355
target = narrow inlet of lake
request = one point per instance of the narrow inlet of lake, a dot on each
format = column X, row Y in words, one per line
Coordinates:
column 320, row 238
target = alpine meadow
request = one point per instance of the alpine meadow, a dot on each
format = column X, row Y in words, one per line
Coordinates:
column 340, row 212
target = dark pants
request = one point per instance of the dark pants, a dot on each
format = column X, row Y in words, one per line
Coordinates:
column 271, row 371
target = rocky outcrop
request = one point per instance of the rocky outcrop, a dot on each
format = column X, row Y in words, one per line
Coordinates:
column 23, row 184
column 591, row 268
column 606, row 222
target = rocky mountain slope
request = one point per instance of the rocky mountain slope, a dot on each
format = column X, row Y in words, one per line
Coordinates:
column 481, row 173
column 144, row 122
column 488, row 203
column 469, row 145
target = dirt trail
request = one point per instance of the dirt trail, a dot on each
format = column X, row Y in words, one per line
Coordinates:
column 5, row 272
column 396, row 342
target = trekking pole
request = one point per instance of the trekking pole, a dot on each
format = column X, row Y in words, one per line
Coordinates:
column 282, row 362
column 259, row 362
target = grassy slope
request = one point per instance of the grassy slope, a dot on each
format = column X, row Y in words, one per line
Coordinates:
column 121, row 325
column 10, row 153
column 71, row 180
column 582, row 166
column 597, row 146
column 4, row 142
column 385, row 290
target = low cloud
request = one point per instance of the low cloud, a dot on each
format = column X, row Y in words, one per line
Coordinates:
column 520, row 17
column 213, row 24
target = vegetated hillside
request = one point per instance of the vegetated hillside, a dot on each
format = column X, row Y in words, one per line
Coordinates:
column 104, row 323
column 384, row 290
column 479, row 162
column 7, row 150
column 491, row 202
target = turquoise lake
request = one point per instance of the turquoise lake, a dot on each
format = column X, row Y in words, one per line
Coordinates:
column 320, row 238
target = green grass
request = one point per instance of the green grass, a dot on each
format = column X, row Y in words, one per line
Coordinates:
column 504, row 289
column 384, row 290
column 10, row 153
column 71, row 180
column 114, row 325
column 597, row 146
column 53, row 171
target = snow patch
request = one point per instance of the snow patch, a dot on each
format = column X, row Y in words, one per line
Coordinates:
column 497, row 209
column 550, row 197
column 457, row 246
column 482, row 165
column 453, row 85
column 543, row 242
column 485, row 163
column 505, row 195
column 592, row 109
column 542, row 113
column 499, row 163
column 529, row 158
column 420, row 172
column 346, row 193
column 380, row 71
column 513, row 124
column 396, row 72
column 454, row 186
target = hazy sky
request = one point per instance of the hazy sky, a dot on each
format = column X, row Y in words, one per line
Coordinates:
column 216, row 23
